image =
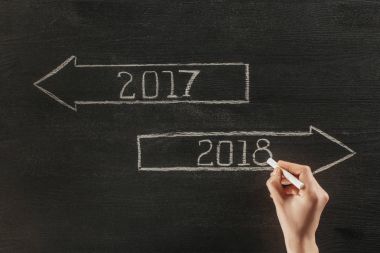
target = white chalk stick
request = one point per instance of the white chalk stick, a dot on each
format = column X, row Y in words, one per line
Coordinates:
column 292, row 179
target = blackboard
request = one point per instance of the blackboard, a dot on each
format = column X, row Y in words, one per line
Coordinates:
column 87, row 167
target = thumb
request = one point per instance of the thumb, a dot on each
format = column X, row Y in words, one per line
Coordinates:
column 275, row 187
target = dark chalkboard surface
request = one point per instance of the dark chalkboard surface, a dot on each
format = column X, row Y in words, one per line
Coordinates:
column 143, row 126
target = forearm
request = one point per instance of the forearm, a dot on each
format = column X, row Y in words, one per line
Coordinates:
column 301, row 245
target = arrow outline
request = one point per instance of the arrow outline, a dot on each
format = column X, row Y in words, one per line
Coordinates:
column 237, row 133
column 78, row 102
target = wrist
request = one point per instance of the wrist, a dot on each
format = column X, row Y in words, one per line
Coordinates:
column 301, row 244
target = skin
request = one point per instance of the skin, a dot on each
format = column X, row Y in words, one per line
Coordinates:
column 298, row 211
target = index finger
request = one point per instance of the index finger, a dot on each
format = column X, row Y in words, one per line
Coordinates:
column 293, row 168
column 302, row 171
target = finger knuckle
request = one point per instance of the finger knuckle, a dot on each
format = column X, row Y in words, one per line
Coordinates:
column 325, row 197
column 307, row 168
column 313, row 196
column 270, row 183
column 320, row 196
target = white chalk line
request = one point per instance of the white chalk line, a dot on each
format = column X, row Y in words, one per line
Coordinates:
column 327, row 136
column 55, row 97
column 168, row 169
column 247, row 82
column 138, row 152
column 160, row 65
column 57, row 69
column 164, row 102
column 328, row 166
column 239, row 133
column 232, row 133
column 154, row 64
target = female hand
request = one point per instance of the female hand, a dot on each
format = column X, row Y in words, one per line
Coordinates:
column 298, row 211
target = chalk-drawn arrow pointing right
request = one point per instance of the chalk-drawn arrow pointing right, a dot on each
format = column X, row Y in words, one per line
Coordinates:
column 73, row 84
column 235, row 151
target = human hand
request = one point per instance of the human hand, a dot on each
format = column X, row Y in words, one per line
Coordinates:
column 298, row 211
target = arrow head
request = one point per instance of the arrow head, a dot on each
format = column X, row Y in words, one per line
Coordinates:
column 329, row 146
column 54, row 84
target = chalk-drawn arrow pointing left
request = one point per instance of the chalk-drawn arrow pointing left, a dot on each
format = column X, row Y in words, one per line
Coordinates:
column 238, row 150
column 72, row 84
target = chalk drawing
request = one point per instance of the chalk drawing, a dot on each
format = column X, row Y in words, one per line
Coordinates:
column 172, row 84
column 130, row 78
column 262, row 147
column 194, row 74
column 177, row 100
column 199, row 163
column 259, row 144
column 244, row 154
column 230, row 156
column 157, row 84
column 209, row 166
